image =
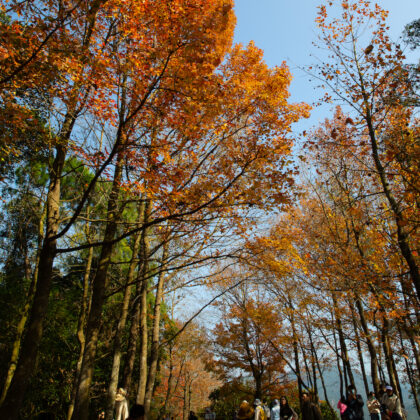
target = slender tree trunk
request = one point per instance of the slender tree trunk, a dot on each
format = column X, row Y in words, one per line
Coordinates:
column 141, row 390
column 359, row 350
column 170, row 381
column 308, row 371
column 389, row 362
column 337, row 356
column 154, row 351
column 25, row 312
column 412, row 331
column 343, row 346
column 313, row 363
column 100, row 284
column 370, row 345
column 411, row 380
column 83, row 314
column 297, row 364
column 321, row 376
column 133, row 338
column 185, row 410
column 115, row 370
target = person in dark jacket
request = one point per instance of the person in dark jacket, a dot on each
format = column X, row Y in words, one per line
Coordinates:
column 286, row 413
column 192, row 416
column 354, row 402
column 310, row 411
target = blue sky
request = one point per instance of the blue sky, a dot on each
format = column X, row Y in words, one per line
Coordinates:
column 285, row 30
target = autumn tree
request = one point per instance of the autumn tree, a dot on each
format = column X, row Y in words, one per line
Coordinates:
column 366, row 72
column 242, row 341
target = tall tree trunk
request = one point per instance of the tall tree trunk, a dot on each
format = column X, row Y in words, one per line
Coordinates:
column 411, row 380
column 144, row 333
column 81, row 324
column 389, row 358
column 25, row 311
column 26, row 364
column 185, row 410
column 313, row 363
column 308, row 371
column 100, row 284
column 170, row 381
column 115, row 370
column 132, row 338
column 337, row 356
column 359, row 350
column 343, row 346
column 321, row 376
column 297, row 364
column 412, row 330
column 370, row 344
column 154, row 350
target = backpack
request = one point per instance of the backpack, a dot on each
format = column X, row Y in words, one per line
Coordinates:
column 263, row 416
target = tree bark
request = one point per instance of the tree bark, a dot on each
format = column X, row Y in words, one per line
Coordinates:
column 342, row 341
column 116, row 362
column 370, row 345
column 100, row 284
column 26, row 364
column 132, row 339
column 154, row 350
column 170, row 380
column 389, row 358
column 141, row 390
column 84, row 311
column 359, row 352
column 25, row 312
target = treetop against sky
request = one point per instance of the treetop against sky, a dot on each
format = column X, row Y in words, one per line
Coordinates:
column 286, row 30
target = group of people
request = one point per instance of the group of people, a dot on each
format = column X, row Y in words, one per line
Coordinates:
column 386, row 407
column 279, row 410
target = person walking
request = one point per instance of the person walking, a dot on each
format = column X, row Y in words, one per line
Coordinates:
column 374, row 406
column 245, row 412
column 310, row 411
